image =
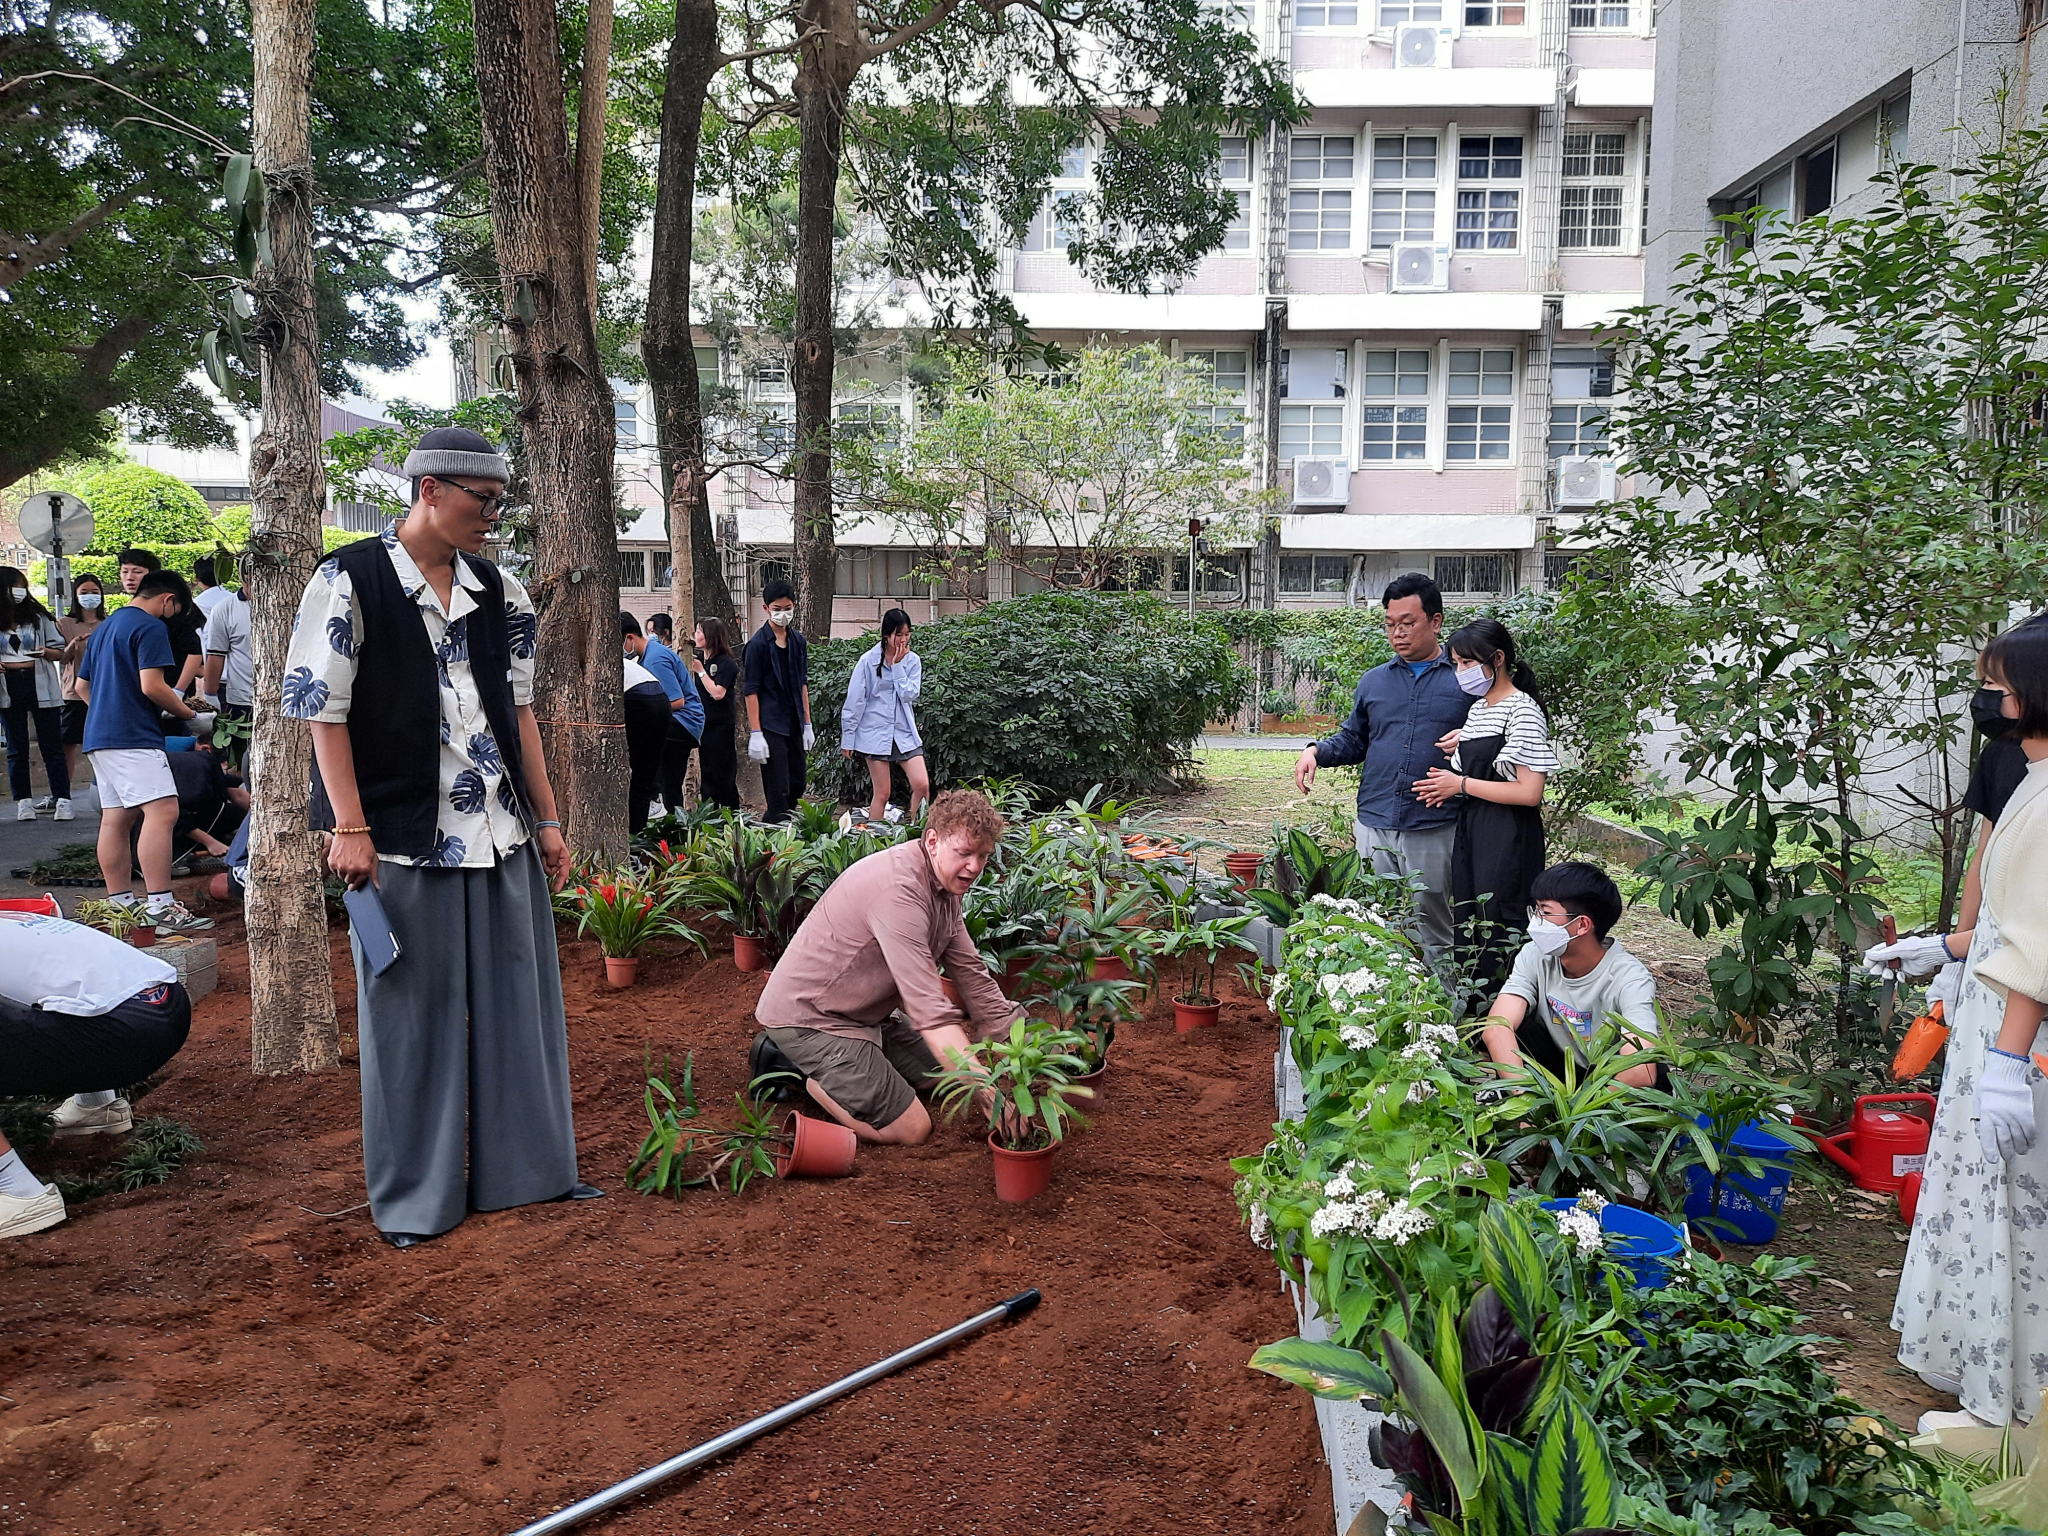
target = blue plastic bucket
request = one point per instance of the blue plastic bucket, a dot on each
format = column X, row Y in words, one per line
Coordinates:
column 1748, row 1209
column 1643, row 1244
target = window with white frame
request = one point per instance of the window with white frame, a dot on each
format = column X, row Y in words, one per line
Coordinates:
column 771, row 374
column 1394, row 12
column 1325, row 13
column 868, row 421
column 1319, row 216
column 1489, row 192
column 1228, row 373
column 1595, row 192
column 1473, row 429
column 1581, row 396
column 1396, row 405
column 1598, row 18
column 1319, row 575
column 1470, row 573
column 1235, row 166
column 1494, row 13
column 1403, row 188
column 626, row 423
column 1309, row 431
column 1058, row 222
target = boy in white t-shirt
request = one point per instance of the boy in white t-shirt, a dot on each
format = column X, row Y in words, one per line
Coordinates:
column 1570, row 978
column 77, row 1009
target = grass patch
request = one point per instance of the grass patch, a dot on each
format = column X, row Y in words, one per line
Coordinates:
column 71, row 861
column 160, row 1147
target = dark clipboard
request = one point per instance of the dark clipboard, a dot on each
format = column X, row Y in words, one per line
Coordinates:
column 379, row 944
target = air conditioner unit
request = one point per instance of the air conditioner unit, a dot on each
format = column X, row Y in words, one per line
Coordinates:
column 1422, row 45
column 1418, row 268
column 1584, row 482
column 1322, row 482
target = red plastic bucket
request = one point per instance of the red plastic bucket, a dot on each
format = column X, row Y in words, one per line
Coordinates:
column 44, row 905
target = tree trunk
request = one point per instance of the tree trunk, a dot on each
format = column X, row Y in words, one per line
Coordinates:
column 565, row 406
column 291, row 988
column 826, row 65
column 590, row 115
column 666, row 343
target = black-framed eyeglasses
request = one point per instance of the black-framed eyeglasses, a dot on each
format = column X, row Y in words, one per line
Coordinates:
column 492, row 507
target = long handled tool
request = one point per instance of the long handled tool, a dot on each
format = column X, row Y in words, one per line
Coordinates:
column 738, row 1436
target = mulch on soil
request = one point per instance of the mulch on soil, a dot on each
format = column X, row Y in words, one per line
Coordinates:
column 209, row 1356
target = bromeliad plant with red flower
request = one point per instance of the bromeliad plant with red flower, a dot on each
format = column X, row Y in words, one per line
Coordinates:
column 623, row 913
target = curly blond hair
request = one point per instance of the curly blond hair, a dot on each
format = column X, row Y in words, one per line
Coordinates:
column 967, row 813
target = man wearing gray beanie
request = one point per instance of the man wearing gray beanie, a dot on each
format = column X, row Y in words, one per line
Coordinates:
column 413, row 658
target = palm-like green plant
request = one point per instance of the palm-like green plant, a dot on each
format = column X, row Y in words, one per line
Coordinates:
column 1301, row 868
column 1092, row 1009
column 1589, row 1130
column 1198, row 948
column 1099, row 927
column 1024, row 1082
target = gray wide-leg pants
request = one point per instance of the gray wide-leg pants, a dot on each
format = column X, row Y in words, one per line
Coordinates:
column 465, row 1051
column 1396, row 855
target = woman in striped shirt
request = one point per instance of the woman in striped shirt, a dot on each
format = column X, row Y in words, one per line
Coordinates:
column 1500, row 759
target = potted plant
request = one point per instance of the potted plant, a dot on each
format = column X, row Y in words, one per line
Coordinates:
column 758, row 1144
column 1242, row 865
column 623, row 914
column 117, row 920
column 1013, row 917
column 1022, row 1082
column 762, row 886
column 1093, row 1010
column 1100, row 933
column 1197, row 948
column 1275, row 705
column 1302, row 868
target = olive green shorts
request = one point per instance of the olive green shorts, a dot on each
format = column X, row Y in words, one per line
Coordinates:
column 875, row 1084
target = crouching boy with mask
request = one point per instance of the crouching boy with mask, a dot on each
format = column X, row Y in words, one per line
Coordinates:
column 1570, row 978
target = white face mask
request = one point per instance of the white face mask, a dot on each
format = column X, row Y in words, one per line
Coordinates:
column 1548, row 937
column 782, row 618
column 20, row 594
column 89, row 599
column 1474, row 680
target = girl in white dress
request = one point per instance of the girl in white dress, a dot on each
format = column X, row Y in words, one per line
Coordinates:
column 1972, row 1310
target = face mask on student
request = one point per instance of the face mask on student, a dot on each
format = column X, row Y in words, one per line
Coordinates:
column 781, row 618
column 89, row 599
column 20, row 594
column 1548, row 937
column 1473, row 680
column 1987, row 708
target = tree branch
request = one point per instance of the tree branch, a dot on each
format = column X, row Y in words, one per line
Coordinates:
column 24, row 253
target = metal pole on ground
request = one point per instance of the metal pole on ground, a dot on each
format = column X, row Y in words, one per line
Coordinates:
column 732, row 1439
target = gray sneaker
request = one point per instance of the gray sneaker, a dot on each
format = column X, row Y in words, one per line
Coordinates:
column 176, row 918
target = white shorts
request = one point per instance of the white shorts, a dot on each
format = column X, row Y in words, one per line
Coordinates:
column 133, row 776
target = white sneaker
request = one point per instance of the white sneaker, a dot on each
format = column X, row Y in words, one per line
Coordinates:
column 892, row 813
column 45, row 803
column 74, row 1119
column 24, row 810
column 63, row 811
column 176, row 918
column 23, row 1214
column 1963, row 1419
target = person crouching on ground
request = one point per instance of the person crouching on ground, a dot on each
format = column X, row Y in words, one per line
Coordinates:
column 855, row 1002
column 1570, row 979
column 413, row 660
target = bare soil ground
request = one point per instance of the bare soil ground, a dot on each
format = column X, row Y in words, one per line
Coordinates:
column 213, row 1355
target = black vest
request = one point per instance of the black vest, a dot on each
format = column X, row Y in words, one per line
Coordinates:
column 394, row 718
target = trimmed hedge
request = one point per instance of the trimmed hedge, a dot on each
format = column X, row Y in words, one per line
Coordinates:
column 133, row 504
column 1061, row 690
column 229, row 532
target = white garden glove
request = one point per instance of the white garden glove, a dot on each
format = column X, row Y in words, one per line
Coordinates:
column 810, row 736
column 2005, row 1107
column 1947, row 983
column 1916, row 956
column 757, row 747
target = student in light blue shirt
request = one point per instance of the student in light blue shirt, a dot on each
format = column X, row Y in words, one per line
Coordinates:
column 877, row 722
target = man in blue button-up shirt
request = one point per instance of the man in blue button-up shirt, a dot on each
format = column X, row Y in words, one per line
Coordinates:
column 1400, row 716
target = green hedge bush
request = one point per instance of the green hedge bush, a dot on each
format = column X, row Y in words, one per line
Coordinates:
column 1062, row 690
column 230, row 531
column 133, row 504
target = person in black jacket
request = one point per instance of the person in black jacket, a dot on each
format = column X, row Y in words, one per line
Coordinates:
column 778, row 692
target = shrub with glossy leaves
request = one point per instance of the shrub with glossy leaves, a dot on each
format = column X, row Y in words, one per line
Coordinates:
column 1062, row 690
column 133, row 504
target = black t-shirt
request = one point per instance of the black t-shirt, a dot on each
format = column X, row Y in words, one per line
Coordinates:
column 2000, row 767
column 725, row 672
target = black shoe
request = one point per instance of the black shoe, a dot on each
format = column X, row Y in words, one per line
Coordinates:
column 772, row 1075
column 581, row 1191
column 408, row 1239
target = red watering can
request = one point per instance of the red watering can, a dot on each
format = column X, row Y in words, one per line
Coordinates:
column 1882, row 1147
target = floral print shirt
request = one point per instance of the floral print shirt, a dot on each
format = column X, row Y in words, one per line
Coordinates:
column 479, row 821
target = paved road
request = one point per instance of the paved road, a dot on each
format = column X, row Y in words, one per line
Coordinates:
column 23, row 842
column 1292, row 744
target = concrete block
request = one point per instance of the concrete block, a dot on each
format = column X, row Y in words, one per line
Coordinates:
column 197, row 962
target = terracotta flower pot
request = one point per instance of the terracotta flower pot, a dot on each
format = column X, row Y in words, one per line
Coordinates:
column 1192, row 1016
column 621, row 973
column 1108, row 968
column 749, row 953
column 1014, row 969
column 1093, row 1082
column 1243, row 868
column 1021, row 1176
column 142, row 935
column 820, row 1150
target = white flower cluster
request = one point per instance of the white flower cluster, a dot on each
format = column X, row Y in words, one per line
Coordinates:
column 1372, row 1215
column 1400, row 1222
column 1422, row 1088
column 1356, row 1037
column 1341, row 1186
column 1262, row 1227
column 1582, row 1228
column 1351, row 983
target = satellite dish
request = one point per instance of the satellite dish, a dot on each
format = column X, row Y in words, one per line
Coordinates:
column 50, row 519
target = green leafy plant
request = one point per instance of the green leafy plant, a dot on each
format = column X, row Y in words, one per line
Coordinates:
column 1024, row 1081
column 1197, row 949
column 1101, row 927
column 159, row 1148
column 1092, row 1010
column 116, row 919
column 731, row 1156
column 1586, row 1130
column 623, row 913
column 1303, row 868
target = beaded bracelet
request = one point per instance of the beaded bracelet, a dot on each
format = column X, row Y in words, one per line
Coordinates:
column 349, row 831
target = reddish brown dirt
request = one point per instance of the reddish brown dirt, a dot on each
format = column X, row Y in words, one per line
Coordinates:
column 209, row 1356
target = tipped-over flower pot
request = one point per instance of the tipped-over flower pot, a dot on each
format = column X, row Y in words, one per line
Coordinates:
column 818, row 1149
column 1022, row 1176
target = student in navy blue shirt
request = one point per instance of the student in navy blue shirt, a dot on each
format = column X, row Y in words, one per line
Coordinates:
column 1404, row 721
column 121, row 680
column 686, row 709
column 778, row 692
